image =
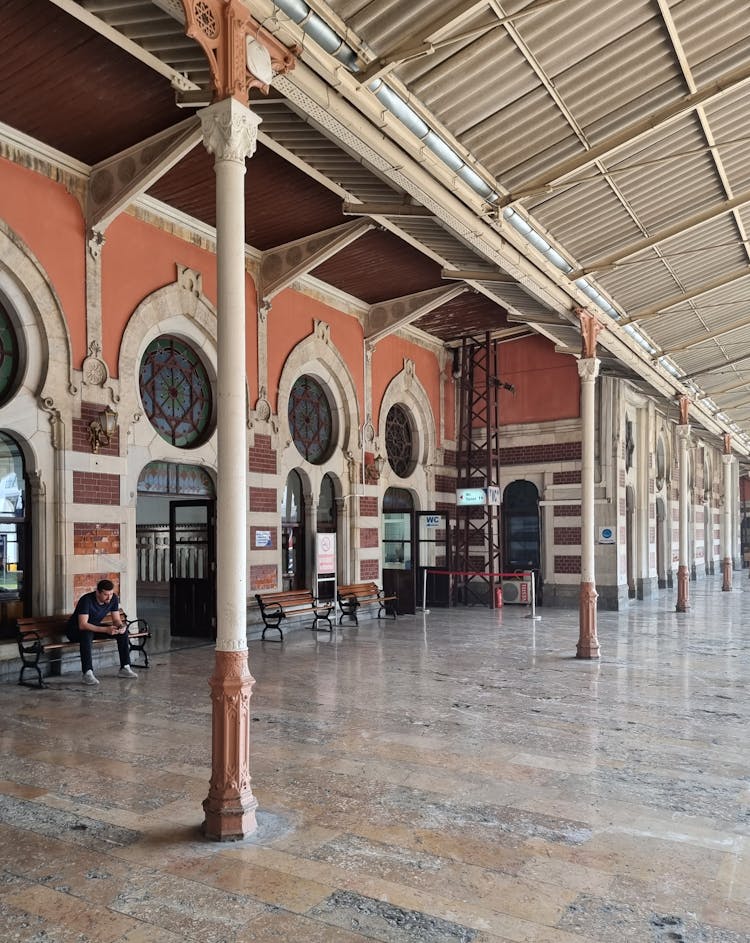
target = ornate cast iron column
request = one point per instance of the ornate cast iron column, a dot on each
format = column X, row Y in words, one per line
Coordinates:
column 726, row 530
column 232, row 41
column 588, row 370
column 683, row 435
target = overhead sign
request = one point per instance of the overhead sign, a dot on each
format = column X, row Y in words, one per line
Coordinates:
column 470, row 497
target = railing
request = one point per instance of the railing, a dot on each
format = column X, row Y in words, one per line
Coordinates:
column 152, row 552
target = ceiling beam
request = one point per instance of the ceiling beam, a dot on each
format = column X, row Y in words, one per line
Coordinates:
column 280, row 266
column 676, row 229
column 388, row 316
column 632, row 134
column 118, row 180
column 393, row 210
column 642, row 314
column 477, row 275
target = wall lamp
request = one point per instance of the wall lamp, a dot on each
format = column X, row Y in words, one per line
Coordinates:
column 102, row 429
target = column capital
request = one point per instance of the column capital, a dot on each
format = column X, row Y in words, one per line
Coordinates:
column 588, row 368
column 683, row 432
column 230, row 130
column 727, row 458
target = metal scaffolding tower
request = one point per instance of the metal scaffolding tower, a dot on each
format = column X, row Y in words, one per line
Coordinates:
column 477, row 548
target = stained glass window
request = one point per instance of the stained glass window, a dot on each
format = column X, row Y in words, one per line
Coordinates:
column 310, row 420
column 9, row 356
column 176, row 392
column 399, row 441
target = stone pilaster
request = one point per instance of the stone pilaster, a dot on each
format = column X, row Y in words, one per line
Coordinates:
column 588, row 643
column 683, row 602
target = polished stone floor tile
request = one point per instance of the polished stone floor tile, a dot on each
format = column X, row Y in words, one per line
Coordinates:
column 457, row 777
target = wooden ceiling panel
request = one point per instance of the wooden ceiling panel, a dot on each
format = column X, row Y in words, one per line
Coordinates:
column 281, row 202
column 380, row 266
column 67, row 86
column 469, row 314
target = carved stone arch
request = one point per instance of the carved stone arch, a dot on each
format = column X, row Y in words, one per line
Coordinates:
column 47, row 373
column 317, row 357
column 406, row 389
column 179, row 309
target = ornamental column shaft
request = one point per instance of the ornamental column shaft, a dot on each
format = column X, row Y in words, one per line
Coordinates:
column 726, row 530
column 230, row 134
column 588, row 643
column 683, row 436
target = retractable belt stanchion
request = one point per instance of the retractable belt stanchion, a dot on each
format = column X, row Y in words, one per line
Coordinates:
column 532, row 614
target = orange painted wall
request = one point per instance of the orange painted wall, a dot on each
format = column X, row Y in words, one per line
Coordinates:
column 547, row 384
column 290, row 321
column 388, row 360
column 49, row 220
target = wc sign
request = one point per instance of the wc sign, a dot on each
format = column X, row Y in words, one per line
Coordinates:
column 432, row 520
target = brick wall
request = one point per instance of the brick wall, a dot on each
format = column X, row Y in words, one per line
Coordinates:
column 263, row 500
column 95, row 488
column 369, row 570
column 566, row 477
column 528, row 454
column 568, row 535
column 445, row 483
column 261, row 457
column 368, row 537
column 368, row 507
column 263, row 577
column 565, row 564
column 96, row 538
column 567, row 510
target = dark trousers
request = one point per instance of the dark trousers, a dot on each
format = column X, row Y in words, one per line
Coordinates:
column 86, row 641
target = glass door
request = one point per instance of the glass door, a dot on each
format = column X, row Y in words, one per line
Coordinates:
column 432, row 554
column 192, row 569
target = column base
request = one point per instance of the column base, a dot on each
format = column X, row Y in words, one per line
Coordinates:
column 682, row 589
column 588, row 643
column 726, row 585
column 230, row 806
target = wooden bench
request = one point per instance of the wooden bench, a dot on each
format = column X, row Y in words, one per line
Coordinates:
column 353, row 597
column 292, row 602
column 43, row 639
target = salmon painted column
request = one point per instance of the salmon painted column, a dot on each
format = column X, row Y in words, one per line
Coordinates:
column 683, row 436
column 241, row 55
column 588, row 370
column 726, row 530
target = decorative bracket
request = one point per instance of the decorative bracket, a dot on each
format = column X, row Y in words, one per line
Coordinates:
column 590, row 329
column 388, row 316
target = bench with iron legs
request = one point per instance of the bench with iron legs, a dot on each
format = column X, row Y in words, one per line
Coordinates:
column 356, row 595
column 275, row 607
column 43, row 640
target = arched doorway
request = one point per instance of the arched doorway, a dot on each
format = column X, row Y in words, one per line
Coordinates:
column 327, row 552
column 521, row 528
column 293, row 533
column 15, row 528
column 398, row 572
column 630, row 540
column 661, row 544
column 175, row 550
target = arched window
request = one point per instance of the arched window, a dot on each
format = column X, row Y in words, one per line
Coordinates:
column 327, row 506
column 399, row 441
column 10, row 356
column 310, row 420
column 176, row 392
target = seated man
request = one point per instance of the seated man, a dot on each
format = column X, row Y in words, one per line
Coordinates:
column 86, row 624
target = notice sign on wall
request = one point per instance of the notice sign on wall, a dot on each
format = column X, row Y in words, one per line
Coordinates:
column 606, row 535
column 263, row 538
column 326, row 553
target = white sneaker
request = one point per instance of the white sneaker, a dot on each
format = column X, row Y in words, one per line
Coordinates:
column 126, row 672
column 88, row 677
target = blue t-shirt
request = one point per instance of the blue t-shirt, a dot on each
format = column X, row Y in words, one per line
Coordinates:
column 89, row 605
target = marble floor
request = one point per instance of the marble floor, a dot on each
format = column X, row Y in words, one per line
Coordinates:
column 451, row 777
